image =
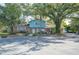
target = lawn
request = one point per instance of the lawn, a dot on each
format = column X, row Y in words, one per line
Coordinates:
column 3, row 34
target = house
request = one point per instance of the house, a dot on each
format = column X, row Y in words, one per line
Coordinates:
column 37, row 25
column 21, row 28
column 34, row 25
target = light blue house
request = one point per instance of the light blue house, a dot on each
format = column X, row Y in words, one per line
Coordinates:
column 37, row 25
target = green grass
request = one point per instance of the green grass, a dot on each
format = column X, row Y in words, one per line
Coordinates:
column 2, row 34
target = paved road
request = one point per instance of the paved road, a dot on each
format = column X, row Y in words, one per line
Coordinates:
column 42, row 45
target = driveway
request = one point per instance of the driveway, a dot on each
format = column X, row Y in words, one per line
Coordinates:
column 40, row 45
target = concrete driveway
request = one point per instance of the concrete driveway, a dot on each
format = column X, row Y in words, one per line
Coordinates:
column 40, row 45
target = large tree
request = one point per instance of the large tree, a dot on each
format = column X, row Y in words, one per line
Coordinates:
column 56, row 12
column 10, row 14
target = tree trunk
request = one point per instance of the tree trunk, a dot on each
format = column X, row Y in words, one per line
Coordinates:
column 14, row 28
column 58, row 26
column 78, row 29
column 11, row 28
column 58, row 31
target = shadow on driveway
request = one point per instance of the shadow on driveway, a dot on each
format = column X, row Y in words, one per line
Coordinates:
column 37, row 43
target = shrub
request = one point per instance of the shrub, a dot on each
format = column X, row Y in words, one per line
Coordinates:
column 27, row 33
column 22, row 32
column 4, row 35
column 12, row 33
column 4, row 31
column 35, row 34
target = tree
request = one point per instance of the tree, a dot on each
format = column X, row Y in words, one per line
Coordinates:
column 10, row 15
column 56, row 12
column 75, row 24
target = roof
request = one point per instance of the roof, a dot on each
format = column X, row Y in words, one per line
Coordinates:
column 37, row 24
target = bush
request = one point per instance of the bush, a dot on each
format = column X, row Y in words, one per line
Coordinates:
column 12, row 33
column 71, row 29
column 27, row 33
column 53, row 30
column 4, row 31
column 22, row 32
column 39, row 33
column 4, row 36
column 35, row 34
